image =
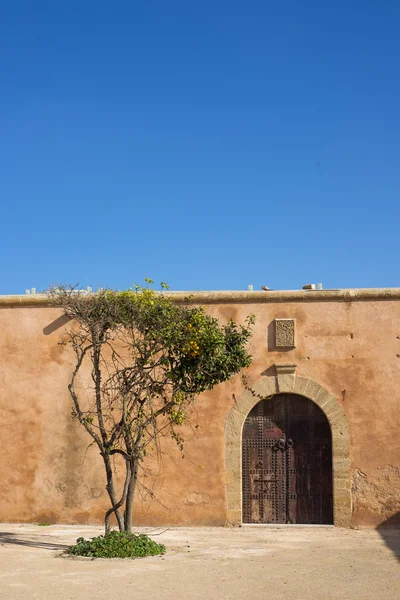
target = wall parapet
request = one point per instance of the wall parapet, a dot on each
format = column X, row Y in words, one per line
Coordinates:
column 237, row 297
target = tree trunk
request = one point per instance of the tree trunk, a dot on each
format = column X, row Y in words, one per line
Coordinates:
column 129, row 498
column 111, row 492
column 117, row 505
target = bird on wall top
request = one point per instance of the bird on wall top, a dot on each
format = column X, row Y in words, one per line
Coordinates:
column 265, row 288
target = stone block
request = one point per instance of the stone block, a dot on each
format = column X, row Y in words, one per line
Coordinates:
column 286, row 383
column 264, row 388
column 341, row 468
column 342, row 463
column 340, row 439
column 333, row 411
column 342, row 501
column 341, row 492
column 233, row 425
column 245, row 403
column 341, row 484
column 300, row 385
column 340, row 427
column 341, row 447
column 233, row 499
column 233, row 457
column 233, row 478
column 233, row 518
column 313, row 389
column 342, row 516
column 324, row 398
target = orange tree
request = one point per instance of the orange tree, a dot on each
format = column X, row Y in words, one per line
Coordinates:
column 149, row 359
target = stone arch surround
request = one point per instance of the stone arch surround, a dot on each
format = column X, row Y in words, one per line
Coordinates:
column 288, row 382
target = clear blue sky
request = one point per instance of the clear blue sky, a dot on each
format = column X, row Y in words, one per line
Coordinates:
column 208, row 143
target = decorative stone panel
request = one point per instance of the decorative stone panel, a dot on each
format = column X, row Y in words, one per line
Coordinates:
column 285, row 333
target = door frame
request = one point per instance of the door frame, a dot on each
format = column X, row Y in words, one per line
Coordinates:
column 264, row 389
column 287, row 500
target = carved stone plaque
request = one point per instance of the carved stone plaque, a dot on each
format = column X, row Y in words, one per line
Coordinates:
column 285, row 333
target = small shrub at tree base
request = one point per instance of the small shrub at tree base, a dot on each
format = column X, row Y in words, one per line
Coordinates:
column 117, row 544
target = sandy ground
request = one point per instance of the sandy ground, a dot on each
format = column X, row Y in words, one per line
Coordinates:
column 248, row 563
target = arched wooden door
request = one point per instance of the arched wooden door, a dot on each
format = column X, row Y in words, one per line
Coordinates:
column 287, row 463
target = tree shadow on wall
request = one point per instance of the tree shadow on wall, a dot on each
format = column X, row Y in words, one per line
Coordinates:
column 56, row 324
column 390, row 533
column 11, row 538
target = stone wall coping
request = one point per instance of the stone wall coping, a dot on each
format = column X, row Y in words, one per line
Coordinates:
column 238, row 297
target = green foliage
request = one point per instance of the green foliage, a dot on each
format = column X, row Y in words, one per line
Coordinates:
column 44, row 524
column 117, row 544
column 172, row 353
column 198, row 352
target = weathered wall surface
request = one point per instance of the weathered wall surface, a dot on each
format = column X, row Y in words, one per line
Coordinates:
column 48, row 473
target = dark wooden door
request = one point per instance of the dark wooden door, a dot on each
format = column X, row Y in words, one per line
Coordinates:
column 287, row 463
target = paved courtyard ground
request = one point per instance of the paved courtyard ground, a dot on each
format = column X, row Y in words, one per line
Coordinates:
column 248, row 563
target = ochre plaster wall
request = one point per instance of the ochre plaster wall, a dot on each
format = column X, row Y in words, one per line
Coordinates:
column 48, row 473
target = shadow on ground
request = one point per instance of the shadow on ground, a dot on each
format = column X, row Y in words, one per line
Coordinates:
column 12, row 538
column 390, row 533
